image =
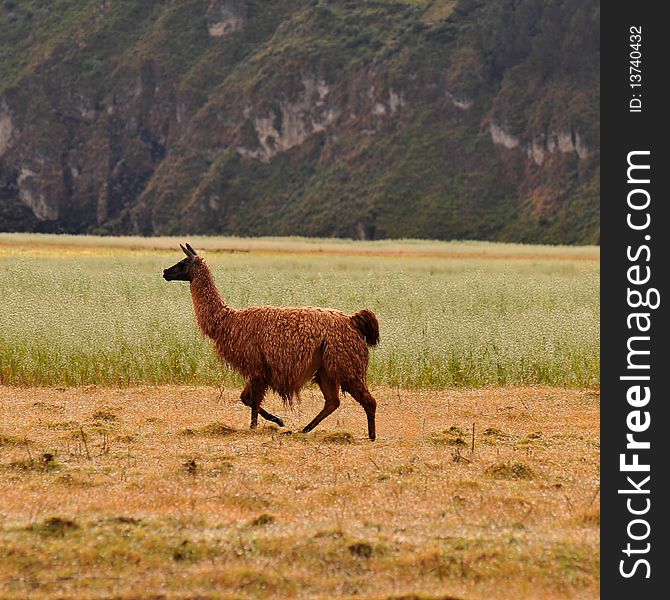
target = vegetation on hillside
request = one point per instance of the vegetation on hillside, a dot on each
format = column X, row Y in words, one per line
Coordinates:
column 394, row 118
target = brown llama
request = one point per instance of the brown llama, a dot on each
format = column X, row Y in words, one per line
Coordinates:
column 284, row 348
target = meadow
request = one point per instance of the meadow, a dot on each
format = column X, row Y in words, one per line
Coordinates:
column 83, row 311
column 127, row 468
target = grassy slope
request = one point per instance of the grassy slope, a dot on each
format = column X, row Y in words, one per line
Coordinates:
column 432, row 172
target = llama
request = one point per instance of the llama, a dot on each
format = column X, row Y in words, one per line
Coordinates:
column 284, row 348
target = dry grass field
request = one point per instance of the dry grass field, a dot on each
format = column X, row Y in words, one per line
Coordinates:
column 164, row 492
column 79, row 245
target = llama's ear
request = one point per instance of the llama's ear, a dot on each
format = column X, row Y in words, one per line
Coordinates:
column 190, row 249
column 185, row 250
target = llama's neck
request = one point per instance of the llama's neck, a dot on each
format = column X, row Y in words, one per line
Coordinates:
column 210, row 309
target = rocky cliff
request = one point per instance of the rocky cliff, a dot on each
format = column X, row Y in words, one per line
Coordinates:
column 434, row 119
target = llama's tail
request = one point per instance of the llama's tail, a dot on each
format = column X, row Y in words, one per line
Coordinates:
column 366, row 322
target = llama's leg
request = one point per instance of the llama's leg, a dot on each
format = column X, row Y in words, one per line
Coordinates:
column 257, row 394
column 330, row 393
column 270, row 417
column 252, row 396
column 361, row 393
column 246, row 400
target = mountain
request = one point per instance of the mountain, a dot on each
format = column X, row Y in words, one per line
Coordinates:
column 443, row 119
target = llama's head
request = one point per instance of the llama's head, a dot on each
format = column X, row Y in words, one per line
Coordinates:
column 184, row 269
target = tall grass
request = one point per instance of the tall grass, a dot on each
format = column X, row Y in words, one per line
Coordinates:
column 90, row 312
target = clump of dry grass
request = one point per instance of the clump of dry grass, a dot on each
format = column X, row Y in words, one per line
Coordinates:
column 191, row 466
column 517, row 470
column 261, row 520
column 532, row 437
column 54, row 527
column 452, row 436
column 186, row 551
column 104, row 415
column 338, row 437
column 45, row 462
column 590, row 518
column 12, row 440
column 124, row 520
column 215, row 429
column 493, row 433
column 362, row 549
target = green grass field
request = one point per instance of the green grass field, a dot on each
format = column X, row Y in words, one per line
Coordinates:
column 84, row 310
